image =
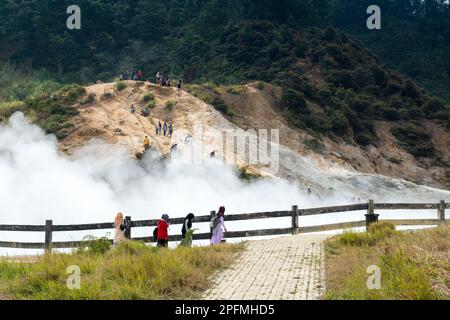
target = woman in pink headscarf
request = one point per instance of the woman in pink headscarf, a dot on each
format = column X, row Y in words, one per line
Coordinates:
column 218, row 225
column 120, row 228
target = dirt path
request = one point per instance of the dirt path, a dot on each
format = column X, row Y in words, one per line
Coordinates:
column 284, row 268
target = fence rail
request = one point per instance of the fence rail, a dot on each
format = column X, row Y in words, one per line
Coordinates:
column 294, row 213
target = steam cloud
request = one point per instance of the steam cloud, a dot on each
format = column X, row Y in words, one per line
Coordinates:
column 37, row 183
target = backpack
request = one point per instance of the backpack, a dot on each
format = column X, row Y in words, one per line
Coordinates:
column 155, row 234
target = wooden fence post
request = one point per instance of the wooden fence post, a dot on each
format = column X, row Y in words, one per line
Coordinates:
column 371, row 217
column 295, row 214
column 48, row 236
column 128, row 227
column 441, row 211
column 213, row 215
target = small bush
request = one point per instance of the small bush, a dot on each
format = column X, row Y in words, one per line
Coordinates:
column 151, row 104
column 89, row 99
column 170, row 104
column 95, row 246
column 120, row 85
column 315, row 145
column 246, row 175
column 260, row 85
column 107, row 96
column 148, row 97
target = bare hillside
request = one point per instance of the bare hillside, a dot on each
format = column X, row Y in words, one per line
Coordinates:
column 337, row 166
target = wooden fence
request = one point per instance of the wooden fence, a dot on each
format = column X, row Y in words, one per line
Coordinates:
column 294, row 213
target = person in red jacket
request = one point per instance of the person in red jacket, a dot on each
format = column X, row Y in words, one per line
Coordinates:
column 163, row 234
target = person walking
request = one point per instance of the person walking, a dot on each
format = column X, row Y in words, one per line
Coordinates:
column 119, row 225
column 186, row 231
column 218, row 226
column 163, row 234
column 159, row 127
column 146, row 143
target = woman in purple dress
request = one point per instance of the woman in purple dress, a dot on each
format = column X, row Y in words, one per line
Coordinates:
column 218, row 225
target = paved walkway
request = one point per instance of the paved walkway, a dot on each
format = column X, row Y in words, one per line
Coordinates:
column 284, row 268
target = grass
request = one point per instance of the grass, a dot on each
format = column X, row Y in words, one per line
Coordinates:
column 128, row 271
column 236, row 90
column 414, row 265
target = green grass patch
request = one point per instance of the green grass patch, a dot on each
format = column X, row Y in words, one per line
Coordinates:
column 131, row 270
column 413, row 265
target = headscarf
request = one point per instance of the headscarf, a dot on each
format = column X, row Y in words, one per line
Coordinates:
column 119, row 219
column 220, row 214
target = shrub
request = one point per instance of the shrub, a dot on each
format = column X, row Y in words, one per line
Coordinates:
column 89, row 99
column 246, row 175
column 410, row 89
column 148, row 97
column 95, row 245
column 107, row 96
column 315, row 145
column 294, row 100
column 120, row 85
column 339, row 123
column 433, row 106
column 260, row 85
column 170, row 104
column 415, row 140
column 151, row 104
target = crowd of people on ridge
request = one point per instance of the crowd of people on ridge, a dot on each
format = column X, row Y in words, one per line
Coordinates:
column 161, row 232
column 161, row 78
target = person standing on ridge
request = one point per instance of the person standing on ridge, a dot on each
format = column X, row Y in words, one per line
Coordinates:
column 170, row 130
column 158, row 76
column 163, row 234
column 165, row 128
column 179, row 85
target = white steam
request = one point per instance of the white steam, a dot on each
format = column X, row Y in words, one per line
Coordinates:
column 37, row 183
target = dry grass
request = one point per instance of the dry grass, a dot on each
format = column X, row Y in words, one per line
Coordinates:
column 414, row 265
column 129, row 271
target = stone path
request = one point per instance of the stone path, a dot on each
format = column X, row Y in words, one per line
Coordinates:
column 283, row 268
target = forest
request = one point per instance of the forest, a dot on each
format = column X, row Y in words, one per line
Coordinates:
column 397, row 73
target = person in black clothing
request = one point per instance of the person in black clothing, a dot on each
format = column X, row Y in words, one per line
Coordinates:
column 165, row 128
column 159, row 127
column 187, row 225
